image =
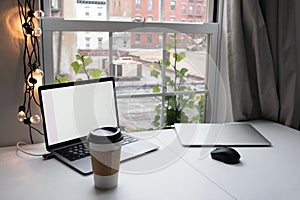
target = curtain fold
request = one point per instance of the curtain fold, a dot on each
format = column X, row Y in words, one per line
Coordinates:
column 262, row 59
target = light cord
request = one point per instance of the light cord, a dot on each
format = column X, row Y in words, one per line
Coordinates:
column 19, row 148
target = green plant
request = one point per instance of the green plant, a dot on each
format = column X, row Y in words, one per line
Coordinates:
column 176, row 105
column 80, row 65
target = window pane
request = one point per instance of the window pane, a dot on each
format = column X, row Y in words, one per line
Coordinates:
column 136, row 113
column 189, row 10
column 139, row 67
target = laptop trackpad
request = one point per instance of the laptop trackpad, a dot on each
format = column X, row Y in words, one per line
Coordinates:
column 136, row 149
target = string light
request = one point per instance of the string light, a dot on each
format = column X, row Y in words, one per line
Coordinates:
column 21, row 114
column 31, row 61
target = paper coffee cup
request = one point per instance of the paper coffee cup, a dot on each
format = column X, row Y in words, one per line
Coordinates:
column 105, row 150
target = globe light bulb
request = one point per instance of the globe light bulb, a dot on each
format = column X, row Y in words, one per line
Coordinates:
column 37, row 32
column 38, row 73
column 21, row 116
column 35, row 119
column 21, row 113
column 39, row 14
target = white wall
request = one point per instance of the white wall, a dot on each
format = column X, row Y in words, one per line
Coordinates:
column 11, row 79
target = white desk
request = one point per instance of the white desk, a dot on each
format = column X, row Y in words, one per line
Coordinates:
column 173, row 172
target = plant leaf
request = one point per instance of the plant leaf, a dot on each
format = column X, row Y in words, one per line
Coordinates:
column 168, row 79
column 87, row 61
column 155, row 124
column 61, row 79
column 180, row 56
column 77, row 68
column 168, row 63
column 156, row 89
column 78, row 57
column 155, row 73
column 95, row 73
column 183, row 71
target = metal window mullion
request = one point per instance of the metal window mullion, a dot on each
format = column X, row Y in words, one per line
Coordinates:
column 212, row 74
column 47, row 44
column 60, row 24
column 110, row 55
column 160, row 94
column 163, row 78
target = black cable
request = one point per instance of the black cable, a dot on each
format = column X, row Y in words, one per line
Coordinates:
column 31, row 60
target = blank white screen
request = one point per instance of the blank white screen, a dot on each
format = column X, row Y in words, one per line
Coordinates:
column 71, row 112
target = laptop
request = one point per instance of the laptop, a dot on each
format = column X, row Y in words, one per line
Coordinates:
column 224, row 134
column 71, row 110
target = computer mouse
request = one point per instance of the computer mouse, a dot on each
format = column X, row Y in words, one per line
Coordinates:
column 226, row 154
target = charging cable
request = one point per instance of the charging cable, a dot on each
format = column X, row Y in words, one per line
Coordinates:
column 45, row 155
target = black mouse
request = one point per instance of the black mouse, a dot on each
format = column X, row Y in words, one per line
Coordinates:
column 226, row 154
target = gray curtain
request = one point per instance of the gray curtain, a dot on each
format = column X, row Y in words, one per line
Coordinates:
column 262, row 59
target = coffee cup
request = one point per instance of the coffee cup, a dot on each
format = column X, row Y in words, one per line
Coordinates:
column 105, row 150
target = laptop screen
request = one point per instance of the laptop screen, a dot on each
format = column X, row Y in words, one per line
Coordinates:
column 71, row 110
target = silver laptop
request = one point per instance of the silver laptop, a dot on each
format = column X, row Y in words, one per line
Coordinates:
column 71, row 110
column 225, row 134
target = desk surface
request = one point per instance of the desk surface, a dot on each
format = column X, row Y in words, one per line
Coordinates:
column 173, row 172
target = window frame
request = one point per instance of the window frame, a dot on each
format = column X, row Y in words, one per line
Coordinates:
column 211, row 28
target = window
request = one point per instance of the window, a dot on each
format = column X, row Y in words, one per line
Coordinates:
column 87, row 10
column 87, row 42
column 143, row 88
column 150, row 18
column 124, row 44
column 138, row 17
column 199, row 10
column 173, row 5
column 99, row 11
column 183, row 8
column 191, row 9
column 100, row 43
column 149, row 38
column 137, row 38
column 150, row 6
column 138, row 4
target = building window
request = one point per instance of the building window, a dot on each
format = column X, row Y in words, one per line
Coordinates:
column 100, row 45
column 183, row 8
column 173, row 5
column 149, row 38
column 150, row 18
column 99, row 11
column 150, row 5
column 138, row 4
column 124, row 43
column 137, row 38
column 172, row 19
column 87, row 42
column 191, row 9
column 199, row 9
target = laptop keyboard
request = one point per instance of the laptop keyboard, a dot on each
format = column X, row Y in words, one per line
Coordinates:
column 78, row 151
